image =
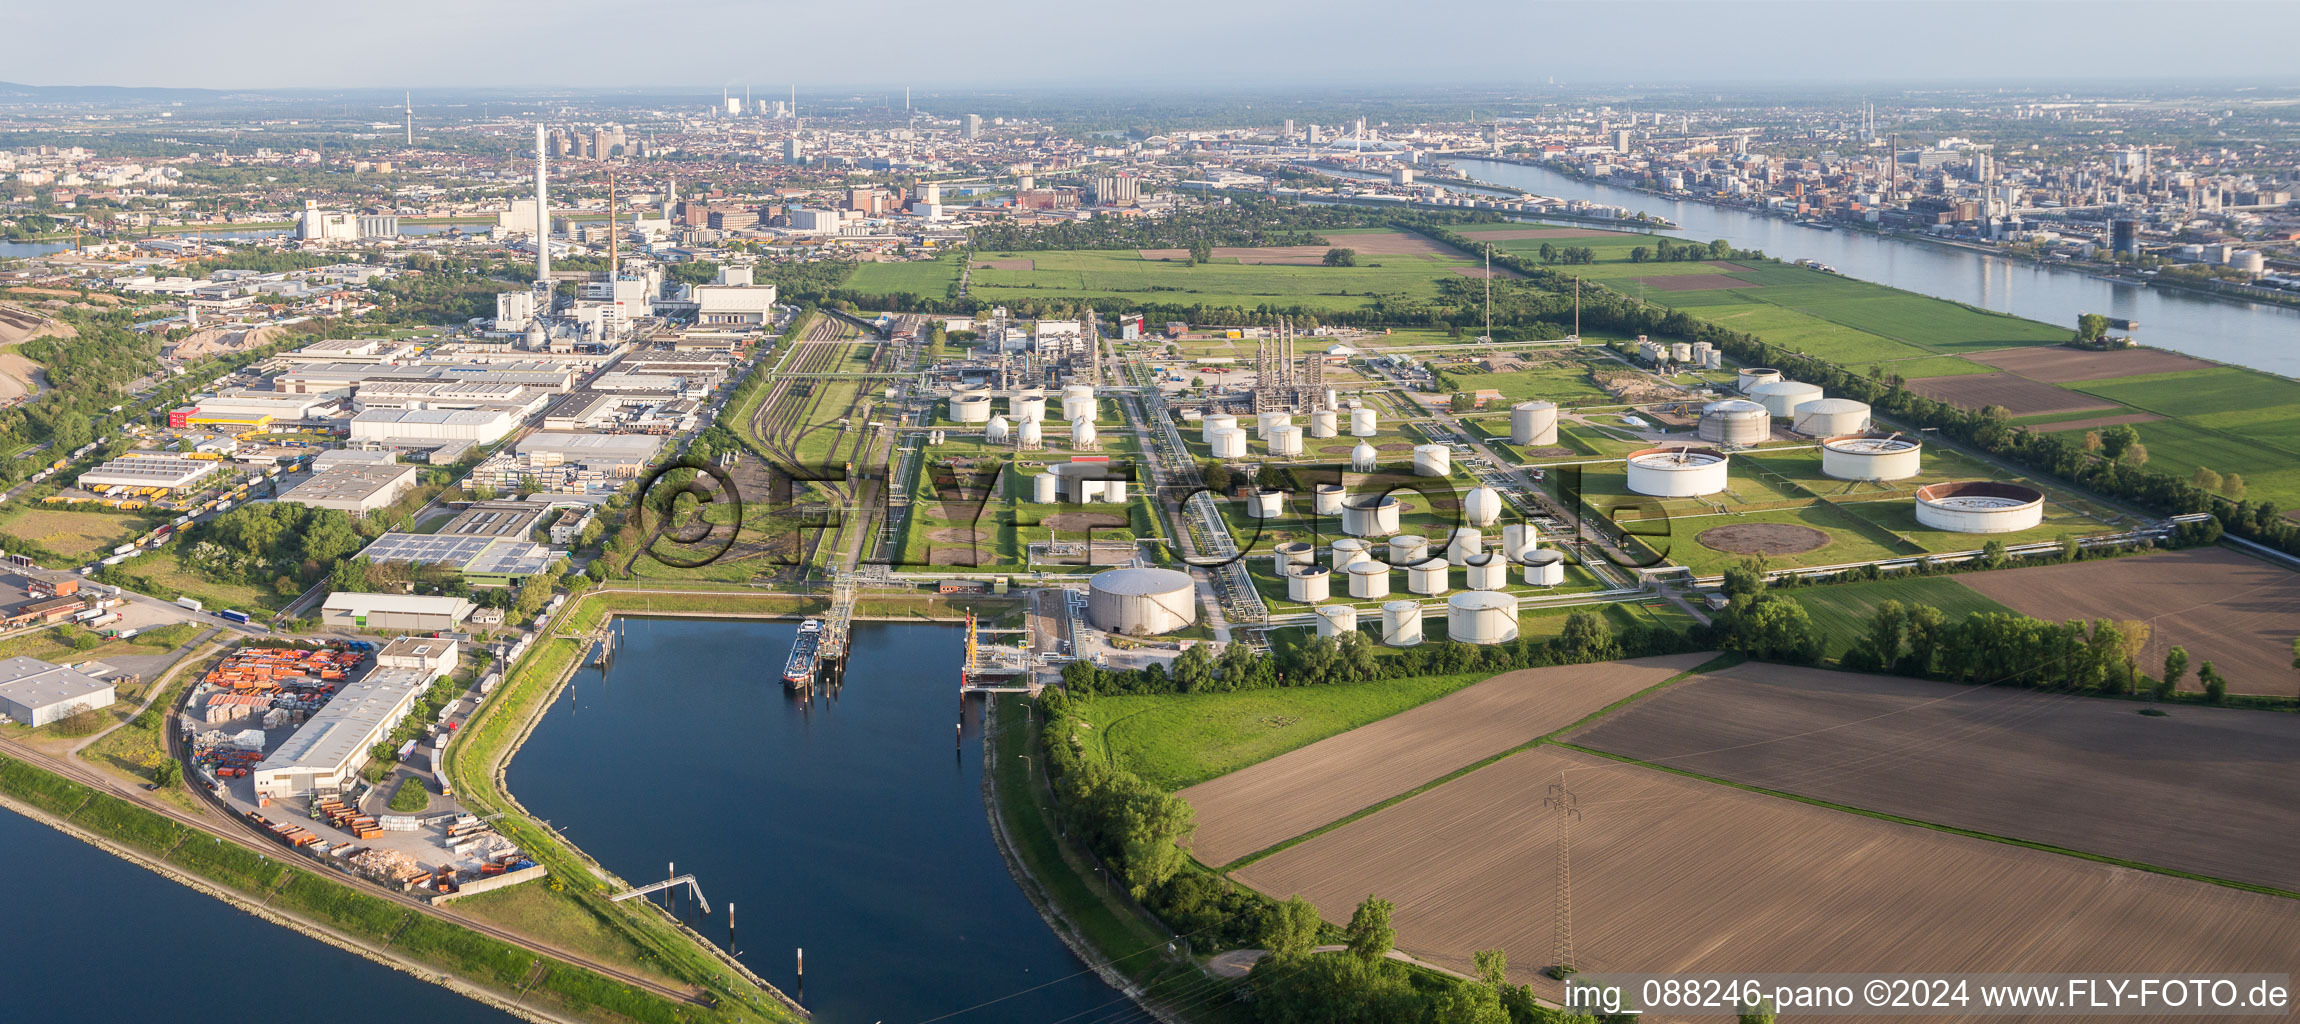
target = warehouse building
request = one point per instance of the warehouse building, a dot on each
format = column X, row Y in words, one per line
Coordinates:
column 396, row 426
column 326, row 754
column 36, row 693
column 483, row 561
column 335, row 457
column 354, row 489
column 428, row 654
column 413, row 613
column 167, row 472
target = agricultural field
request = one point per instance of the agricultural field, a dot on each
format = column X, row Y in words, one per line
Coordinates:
column 924, row 278
column 1297, row 792
column 1229, row 281
column 74, row 534
column 1841, row 611
column 2065, row 771
column 1677, row 875
column 2238, row 612
column 2060, row 365
column 2019, row 396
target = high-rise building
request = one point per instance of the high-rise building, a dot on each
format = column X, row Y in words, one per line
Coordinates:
column 1117, row 188
column 970, row 126
column 1287, row 133
column 1621, row 141
column 2124, row 236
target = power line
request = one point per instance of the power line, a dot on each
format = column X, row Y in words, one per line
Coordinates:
column 1568, row 808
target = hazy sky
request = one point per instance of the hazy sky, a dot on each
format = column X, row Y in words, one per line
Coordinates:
column 1184, row 43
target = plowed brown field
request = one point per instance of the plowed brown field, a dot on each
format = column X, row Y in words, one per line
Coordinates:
column 1672, row 874
column 1261, row 806
column 2019, row 395
column 2220, row 787
column 2056, row 364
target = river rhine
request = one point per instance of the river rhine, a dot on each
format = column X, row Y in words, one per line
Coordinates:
column 2247, row 334
column 852, row 825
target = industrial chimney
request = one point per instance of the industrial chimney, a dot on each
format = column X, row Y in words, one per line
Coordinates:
column 542, row 220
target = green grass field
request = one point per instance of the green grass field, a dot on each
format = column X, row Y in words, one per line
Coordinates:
column 929, row 279
column 70, row 532
column 1841, row 612
column 1124, row 275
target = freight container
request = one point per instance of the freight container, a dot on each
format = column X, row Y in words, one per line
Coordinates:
column 191, row 603
column 123, row 549
column 406, row 749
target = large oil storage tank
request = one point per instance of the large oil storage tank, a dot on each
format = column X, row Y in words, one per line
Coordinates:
column 1751, row 376
column 1464, row 543
column 1325, row 423
column 1545, row 568
column 1402, row 623
column 1296, row 552
column 1031, row 434
column 1432, row 460
column 1045, row 488
column 1481, row 617
column 1027, row 405
column 1114, row 491
column 1488, row 571
column 1680, row 352
column 1409, row 549
column 1370, row 515
column 1782, row 397
column 1286, row 440
column 1217, row 422
column 997, row 430
column 1363, row 458
column 1872, row 457
column 1229, row 443
column 1078, row 402
column 1267, row 503
column 1369, row 579
column 1829, row 417
column 1533, row 423
column 1348, row 551
column 1677, row 472
column 1980, row 506
column 1141, row 600
column 1735, row 421
column 1337, row 619
column 1269, row 421
column 971, row 407
column 1427, row 578
column 1363, row 423
column 1087, row 481
column 1327, row 499
column 1517, row 537
column 1309, row 584
column 1481, row 506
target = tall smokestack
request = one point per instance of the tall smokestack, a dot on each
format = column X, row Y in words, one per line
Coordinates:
column 542, row 217
column 407, row 99
column 614, row 250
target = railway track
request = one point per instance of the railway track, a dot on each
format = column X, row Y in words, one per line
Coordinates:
column 789, row 415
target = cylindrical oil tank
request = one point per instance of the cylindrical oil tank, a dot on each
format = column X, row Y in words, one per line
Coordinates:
column 1545, row 568
column 1266, row 422
column 1481, row 507
column 1370, row 516
column 1091, row 490
column 1517, row 537
column 1677, row 472
column 1829, row 417
column 1082, row 434
column 1045, row 487
column 1782, row 397
column 1735, row 421
column 1229, row 443
column 971, row 407
column 1325, row 423
column 1680, row 352
column 1327, row 499
column 1751, row 376
column 1296, row 552
column 1348, row 551
column 1402, row 623
column 1333, row 399
column 1217, row 422
column 1466, row 541
column 1872, row 457
column 1432, row 460
column 1078, row 402
column 1427, row 578
column 1309, row 584
column 1533, row 423
column 1337, row 619
column 1267, row 503
column 997, row 430
column 1369, row 579
column 1027, row 405
column 1141, row 600
column 1363, row 423
column 1714, row 360
column 1488, row 571
column 1030, row 434
column 1364, row 457
column 1114, row 491
column 1409, row 549
column 1980, row 506
column 1481, row 617
column 1286, row 440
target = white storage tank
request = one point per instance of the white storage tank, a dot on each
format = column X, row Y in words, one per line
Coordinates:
column 1296, row 552
column 1267, row 503
column 1481, row 507
column 1735, row 421
column 1114, row 491
column 1872, row 457
column 1266, row 422
column 1487, row 572
column 1229, row 443
column 1427, row 578
column 1285, row 439
column 1432, row 460
column 1980, row 506
column 1533, row 423
column 1309, row 584
column 1680, row 352
column 1751, row 376
column 1545, row 568
column 997, row 430
column 1402, row 623
column 1078, row 402
column 1363, row 458
column 1027, row 405
column 1325, row 423
column 1829, row 417
column 1327, row 499
column 1141, row 600
column 1044, row 488
column 1363, row 423
column 1677, row 472
column 1348, row 551
column 1782, row 397
column 1211, row 425
column 1369, row 579
column 1409, row 549
column 1082, row 434
column 1466, row 541
column 1337, row 619
column 1481, row 617
column 971, row 407
column 1370, row 516
column 1031, row 434
column 1517, row 537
